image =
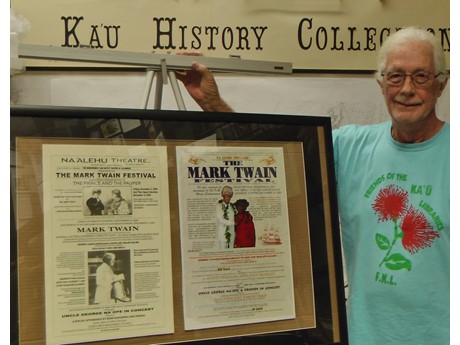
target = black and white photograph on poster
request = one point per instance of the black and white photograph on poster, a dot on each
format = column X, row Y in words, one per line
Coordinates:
column 109, row 277
column 233, row 208
column 108, row 201
column 94, row 203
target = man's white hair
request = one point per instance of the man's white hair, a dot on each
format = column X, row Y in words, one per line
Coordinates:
column 412, row 34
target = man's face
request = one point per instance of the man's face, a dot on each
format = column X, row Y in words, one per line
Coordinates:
column 227, row 197
column 408, row 104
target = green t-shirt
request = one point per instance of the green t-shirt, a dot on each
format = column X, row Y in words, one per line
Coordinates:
column 394, row 203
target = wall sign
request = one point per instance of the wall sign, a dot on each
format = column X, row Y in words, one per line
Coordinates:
column 312, row 34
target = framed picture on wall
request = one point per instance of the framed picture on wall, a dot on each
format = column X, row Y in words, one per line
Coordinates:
column 211, row 227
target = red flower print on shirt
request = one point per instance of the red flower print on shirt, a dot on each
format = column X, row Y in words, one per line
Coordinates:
column 418, row 232
column 391, row 203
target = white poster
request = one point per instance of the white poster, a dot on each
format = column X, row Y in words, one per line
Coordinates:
column 235, row 239
column 107, row 242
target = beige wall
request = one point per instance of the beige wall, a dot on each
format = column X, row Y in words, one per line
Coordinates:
column 312, row 34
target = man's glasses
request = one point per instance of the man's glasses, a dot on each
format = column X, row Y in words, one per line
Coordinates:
column 419, row 79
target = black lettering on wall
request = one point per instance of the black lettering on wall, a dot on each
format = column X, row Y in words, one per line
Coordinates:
column 71, row 33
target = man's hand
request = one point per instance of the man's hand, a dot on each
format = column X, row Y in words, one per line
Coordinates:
column 202, row 87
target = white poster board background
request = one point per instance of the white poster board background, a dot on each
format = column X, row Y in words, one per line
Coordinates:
column 345, row 98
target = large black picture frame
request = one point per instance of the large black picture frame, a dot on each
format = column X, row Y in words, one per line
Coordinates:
column 118, row 126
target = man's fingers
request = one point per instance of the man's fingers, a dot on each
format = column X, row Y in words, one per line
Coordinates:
column 181, row 75
column 200, row 68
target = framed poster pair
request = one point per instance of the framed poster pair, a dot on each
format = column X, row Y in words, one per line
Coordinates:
column 175, row 227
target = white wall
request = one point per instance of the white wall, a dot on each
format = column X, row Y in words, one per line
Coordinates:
column 345, row 98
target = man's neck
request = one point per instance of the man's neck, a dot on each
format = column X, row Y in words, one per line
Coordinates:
column 408, row 134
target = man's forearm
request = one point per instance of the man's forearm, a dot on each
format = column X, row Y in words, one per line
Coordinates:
column 217, row 105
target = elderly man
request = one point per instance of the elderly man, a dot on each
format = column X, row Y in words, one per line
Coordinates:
column 393, row 190
column 105, row 279
column 225, row 217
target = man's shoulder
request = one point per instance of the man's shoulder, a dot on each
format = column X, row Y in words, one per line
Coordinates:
column 357, row 132
column 353, row 130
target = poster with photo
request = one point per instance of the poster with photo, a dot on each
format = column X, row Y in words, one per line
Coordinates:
column 235, row 238
column 108, row 270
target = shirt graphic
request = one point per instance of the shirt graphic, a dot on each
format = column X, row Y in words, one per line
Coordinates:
column 407, row 224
